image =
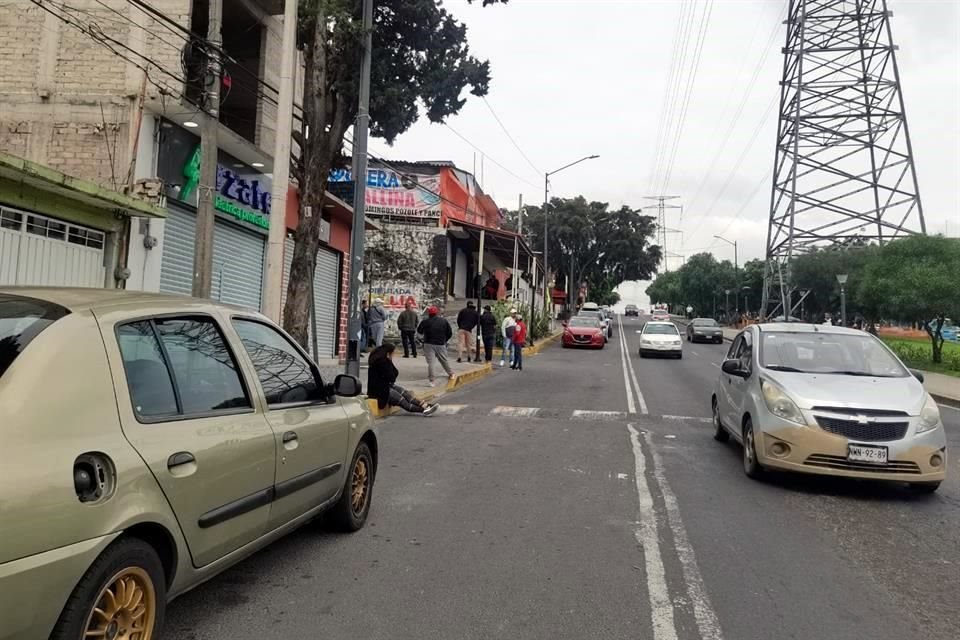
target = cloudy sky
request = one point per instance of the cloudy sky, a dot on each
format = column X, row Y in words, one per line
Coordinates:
column 579, row 77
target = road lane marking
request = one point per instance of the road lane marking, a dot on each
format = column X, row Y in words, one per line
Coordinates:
column 633, row 374
column 450, row 409
column 715, row 364
column 661, row 606
column 631, row 406
column 581, row 414
column 703, row 613
column 688, row 418
column 515, row 412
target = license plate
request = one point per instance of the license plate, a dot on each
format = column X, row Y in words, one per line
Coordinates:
column 862, row 453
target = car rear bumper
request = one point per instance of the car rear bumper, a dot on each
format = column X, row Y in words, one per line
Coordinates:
column 812, row 450
column 661, row 350
column 698, row 337
column 36, row 588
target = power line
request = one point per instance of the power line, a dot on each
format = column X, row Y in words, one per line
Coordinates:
column 502, row 126
column 485, row 155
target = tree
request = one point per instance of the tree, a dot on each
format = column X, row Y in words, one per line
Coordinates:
column 666, row 288
column 421, row 61
column 914, row 278
column 817, row 272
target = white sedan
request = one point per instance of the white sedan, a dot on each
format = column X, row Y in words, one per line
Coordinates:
column 660, row 338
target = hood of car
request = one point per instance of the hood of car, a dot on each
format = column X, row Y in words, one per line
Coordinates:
column 810, row 390
column 660, row 337
column 583, row 331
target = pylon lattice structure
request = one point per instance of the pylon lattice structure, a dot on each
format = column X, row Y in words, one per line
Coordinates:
column 843, row 169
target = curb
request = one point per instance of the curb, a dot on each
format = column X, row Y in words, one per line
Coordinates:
column 459, row 380
column 946, row 400
column 543, row 344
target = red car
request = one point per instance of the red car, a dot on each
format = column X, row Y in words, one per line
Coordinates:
column 583, row 331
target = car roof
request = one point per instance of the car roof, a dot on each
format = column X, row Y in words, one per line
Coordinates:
column 79, row 299
column 804, row 327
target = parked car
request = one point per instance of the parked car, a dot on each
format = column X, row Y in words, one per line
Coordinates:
column 583, row 331
column 827, row 400
column 662, row 339
column 597, row 315
column 631, row 310
column 704, row 330
column 154, row 442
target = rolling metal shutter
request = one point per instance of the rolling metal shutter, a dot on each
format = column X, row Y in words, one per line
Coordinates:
column 326, row 296
column 238, row 259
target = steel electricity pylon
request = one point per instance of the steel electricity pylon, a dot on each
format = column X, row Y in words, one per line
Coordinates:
column 843, row 169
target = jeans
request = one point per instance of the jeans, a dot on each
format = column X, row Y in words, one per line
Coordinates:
column 376, row 332
column 364, row 336
column 409, row 340
column 400, row 397
column 434, row 353
column 517, row 356
column 507, row 354
column 488, row 347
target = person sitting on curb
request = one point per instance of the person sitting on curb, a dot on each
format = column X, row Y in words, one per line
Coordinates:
column 382, row 383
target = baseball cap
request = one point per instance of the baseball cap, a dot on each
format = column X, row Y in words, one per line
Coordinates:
column 432, row 311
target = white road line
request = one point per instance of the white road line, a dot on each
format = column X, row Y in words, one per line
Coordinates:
column 583, row 414
column 450, row 409
column 661, row 606
column 633, row 373
column 707, row 622
column 687, row 418
column 515, row 412
column 715, row 364
column 631, row 406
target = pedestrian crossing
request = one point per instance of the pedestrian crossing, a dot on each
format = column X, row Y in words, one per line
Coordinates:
column 574, row 415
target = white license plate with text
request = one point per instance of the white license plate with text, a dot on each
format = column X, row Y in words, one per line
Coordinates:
column 864, row 453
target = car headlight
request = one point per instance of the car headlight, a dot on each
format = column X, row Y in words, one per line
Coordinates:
column 779, row 403
column 644, row 341
column 929, row 416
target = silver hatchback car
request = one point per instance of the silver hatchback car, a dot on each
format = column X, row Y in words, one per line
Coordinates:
column 831, row 401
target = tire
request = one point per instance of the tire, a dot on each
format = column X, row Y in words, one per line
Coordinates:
column 924, row 487
column 128, row 562
column 643, row 355
column 344, row 516
column 720, row 434
column 680, row 356
column 751, row 467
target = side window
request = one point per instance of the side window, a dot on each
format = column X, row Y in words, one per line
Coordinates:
column 746, row 352
column 203, row 368
column 285, row 375
column 734, row 352
column 148, row 378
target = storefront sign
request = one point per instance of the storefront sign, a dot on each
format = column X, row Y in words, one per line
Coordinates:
column 397, row 195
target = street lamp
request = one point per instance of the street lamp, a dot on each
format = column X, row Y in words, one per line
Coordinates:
column 736, row 271
column 726, row 305
column 546, row 227
column 842, row 279
column 746, row 300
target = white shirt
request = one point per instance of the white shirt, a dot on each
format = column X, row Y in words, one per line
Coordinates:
column 507, row 322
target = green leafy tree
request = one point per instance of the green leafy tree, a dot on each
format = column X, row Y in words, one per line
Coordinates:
column 914, row 279
column 421, row 65
column 817, row 272
column 666, row 289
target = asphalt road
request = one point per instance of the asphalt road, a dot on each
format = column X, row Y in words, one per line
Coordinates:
column 538, row 505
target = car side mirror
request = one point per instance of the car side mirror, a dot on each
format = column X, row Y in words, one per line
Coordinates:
column 347, row 386
column 565, row 324
column 732, row 367
column 917, row 374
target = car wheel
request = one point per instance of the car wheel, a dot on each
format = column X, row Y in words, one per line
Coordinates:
column 750, row 465
column 122, row 595
column 643, row 355
column 719, row 433
column 924, row 487
column 680, row 356
column 350, row 512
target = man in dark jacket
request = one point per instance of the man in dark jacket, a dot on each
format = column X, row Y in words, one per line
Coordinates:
column 467, row 321
column 488, row 331
column 407, row 324
column 436, row 333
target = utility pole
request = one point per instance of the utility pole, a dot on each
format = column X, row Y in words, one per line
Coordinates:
column 203, row 249
column 736, row 269
column 516, row 256
column 361, row 128
column 281, row 169
column 662, row 228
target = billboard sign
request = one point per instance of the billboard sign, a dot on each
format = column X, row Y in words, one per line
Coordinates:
column 391, row 194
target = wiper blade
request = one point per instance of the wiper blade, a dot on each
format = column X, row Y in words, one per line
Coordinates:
column 783, row 367
column 862, row 374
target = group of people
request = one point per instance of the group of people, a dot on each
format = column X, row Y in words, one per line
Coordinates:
column 436, row 332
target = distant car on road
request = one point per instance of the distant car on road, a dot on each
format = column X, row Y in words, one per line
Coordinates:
column 704, row 330
column 631, row 310
column 156, row 441
column 660, row 315
column 830, row 401
column 662, row 339
column 584, row 331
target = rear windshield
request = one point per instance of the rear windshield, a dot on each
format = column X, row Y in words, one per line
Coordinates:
column 22, row 320
column 582, row 321
column 666, row 329
column 704, row 322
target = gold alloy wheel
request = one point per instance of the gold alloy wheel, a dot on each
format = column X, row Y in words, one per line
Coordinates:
column 126, row 608
column 359, row 486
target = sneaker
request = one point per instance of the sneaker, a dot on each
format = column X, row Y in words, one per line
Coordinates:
column 501, row 364
column 409, row 356
column 430, row 409
column 459, row 360
column 432, row 383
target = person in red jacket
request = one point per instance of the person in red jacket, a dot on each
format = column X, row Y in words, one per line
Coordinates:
column 519, row 339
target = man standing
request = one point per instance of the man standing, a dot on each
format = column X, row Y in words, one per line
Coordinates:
column 377, row 316
column 364, row 326
column 467, row 321
column 488, row 331
column 407, row 324
column 506, row 331
column 436, row 333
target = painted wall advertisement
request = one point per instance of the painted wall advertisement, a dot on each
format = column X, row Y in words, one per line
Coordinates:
column 395, row 296
column 397, row 195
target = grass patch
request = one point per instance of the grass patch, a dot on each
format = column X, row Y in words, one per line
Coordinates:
column 916, row 353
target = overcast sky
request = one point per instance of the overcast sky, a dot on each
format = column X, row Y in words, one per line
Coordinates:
column 579, row 77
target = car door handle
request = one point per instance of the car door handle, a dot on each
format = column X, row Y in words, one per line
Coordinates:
column 289, row 436
column 179, row 459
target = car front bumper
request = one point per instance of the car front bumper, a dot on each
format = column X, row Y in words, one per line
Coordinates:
column 664, row 348
column 813, row 450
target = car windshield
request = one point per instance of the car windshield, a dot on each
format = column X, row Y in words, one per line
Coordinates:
column 829, row 353
column 22, row 320
column 662, row 329
column 589, row 314
column 704, row 322
column 584, row 322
